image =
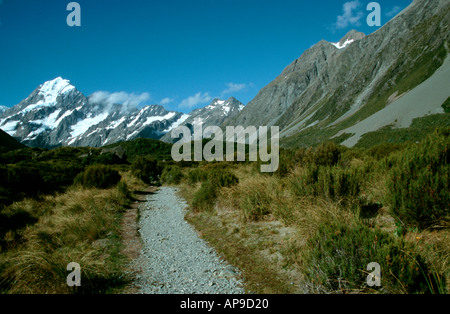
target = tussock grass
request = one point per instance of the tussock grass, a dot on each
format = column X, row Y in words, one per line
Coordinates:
column 80, row 225
column 330, row 213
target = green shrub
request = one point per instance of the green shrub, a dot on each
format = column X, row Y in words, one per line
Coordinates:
column 171, row 175
column 326, row 154
column 222, row 178
column 332, row 183
column 102, row 159
column 146, row 169
column 217, row 178
column 338, row 255
column 384, row 150
column 205, row 197
column 446, row 105
column 347, row 184
column 31, row 179
column 98, row 176
column 419, row 182
column 287, row 162
column 197, row 175
column 124, row 192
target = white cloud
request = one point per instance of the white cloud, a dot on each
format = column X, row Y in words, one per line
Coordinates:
column 233, row 88
column 197, row 99
column 166, row 101
column 128, row 101
column 351, row 15
column 393, row 12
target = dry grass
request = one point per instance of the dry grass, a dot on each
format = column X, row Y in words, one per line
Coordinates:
column 265, row 246
column 80, row 225
column 262, row 226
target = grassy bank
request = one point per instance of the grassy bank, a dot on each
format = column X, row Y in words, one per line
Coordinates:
column 330, row 211
column 311, row 227
column 62, row 206
column 44, row 235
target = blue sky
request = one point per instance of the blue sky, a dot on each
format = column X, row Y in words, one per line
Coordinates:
column 179, row 53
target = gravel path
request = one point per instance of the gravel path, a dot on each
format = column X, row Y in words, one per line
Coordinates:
column 173, row 258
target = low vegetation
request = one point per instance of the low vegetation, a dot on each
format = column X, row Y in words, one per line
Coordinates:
column 311, row 227
column 62, row 206
column 39, row 238
column 329, row 211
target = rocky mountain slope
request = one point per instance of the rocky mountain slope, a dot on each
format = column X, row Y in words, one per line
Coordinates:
column 333, row 86
column 57, row 114
column 214, row 114
column 333, row 91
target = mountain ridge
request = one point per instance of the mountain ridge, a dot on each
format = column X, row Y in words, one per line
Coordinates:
column 57, row 114
column 319, row 97
column 328, row 89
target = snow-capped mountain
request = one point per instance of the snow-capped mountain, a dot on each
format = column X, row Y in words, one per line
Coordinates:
column 215, row 114
column 57, row 114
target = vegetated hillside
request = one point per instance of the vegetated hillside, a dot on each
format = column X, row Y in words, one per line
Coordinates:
column 328, row 90
column 30, row 172
column 155, row 149
column 8, row 143
column 316, row 224
column 60, row 206
column 57, row 207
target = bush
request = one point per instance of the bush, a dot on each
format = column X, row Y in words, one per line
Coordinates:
column 197, row 175
column 123, row 190
column 419, row 182
column 446, row 105
column 256, row 201
column 31, row 179
column 332, row 183
column 327, row 154
column 103, row 159
column 98, row 176
column 146, row 169
column 171, row 175
column 287, row 162
column 384, row 150
column 222, row 178
column 205, row 197
column 339, row 254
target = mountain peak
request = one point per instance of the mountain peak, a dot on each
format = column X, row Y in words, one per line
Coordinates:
column 349, row 38
column 55, row 86
column 217, row 101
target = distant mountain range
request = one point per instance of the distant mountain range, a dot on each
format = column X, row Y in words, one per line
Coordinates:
column 333, row 91
column 57, row 114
